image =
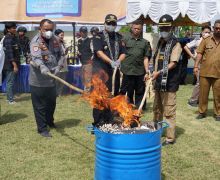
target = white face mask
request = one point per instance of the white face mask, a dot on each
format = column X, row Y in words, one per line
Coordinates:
column 164, row 34
column 48, row 34
column 204, row 35
column 110, row 28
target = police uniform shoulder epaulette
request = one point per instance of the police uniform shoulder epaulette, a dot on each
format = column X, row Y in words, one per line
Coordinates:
column 35, row 39
column 56, row 38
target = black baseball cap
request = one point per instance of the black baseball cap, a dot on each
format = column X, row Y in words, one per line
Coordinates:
column 110, row 18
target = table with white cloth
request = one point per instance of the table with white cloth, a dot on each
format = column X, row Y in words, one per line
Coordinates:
column 22, row 86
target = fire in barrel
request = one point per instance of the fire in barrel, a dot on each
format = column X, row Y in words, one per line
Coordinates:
column 126, row 149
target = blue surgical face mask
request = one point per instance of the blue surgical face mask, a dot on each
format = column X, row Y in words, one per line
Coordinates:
column 110, row 28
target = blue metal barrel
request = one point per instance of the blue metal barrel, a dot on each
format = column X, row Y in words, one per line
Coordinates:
column 128, row 156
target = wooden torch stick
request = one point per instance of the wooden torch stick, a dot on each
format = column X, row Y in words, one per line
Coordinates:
column 65, row 83
column 147, row 88
column 113, row 81
column 61, row 80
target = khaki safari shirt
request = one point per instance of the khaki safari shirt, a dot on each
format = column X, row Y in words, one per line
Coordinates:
column 137, row 50
column 210, row 64
column 174, row 57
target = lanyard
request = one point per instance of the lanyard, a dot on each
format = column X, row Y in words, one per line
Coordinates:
column 109, row 46
column 165, row 65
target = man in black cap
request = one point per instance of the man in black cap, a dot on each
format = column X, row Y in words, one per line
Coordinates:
column 94, row 31
column 109, row 51
column 85, row 55
column 166, row 76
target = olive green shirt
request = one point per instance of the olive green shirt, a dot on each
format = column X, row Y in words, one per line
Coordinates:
column 137, row 51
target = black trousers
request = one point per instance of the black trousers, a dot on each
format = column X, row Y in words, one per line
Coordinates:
column 133, row 84
column 183, row 72
column 44, row 104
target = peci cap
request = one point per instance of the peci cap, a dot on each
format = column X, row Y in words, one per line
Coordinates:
column 165, row 20
column 111, row 18
column 22, row 29
column 83, row 29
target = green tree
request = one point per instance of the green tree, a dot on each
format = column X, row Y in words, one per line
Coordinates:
column 124, row 29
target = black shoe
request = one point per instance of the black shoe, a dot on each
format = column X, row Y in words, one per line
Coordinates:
column 193, row 103
column 201, row 116
column 217, row 118
column 45, row 134
column 166, row 143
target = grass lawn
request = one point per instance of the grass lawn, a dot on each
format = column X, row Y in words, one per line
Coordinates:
column 70, row 153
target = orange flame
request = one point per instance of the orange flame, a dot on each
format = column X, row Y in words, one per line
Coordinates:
column 100, row 98
column 125, row 110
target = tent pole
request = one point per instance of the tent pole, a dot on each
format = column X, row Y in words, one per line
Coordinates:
column 74, row 40
column 192, row 30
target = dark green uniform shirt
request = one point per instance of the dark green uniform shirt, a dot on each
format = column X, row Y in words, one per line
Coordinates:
column 137, row 50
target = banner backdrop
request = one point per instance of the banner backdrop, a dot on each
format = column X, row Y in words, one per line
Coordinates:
column 53, row 8
column 63, row 11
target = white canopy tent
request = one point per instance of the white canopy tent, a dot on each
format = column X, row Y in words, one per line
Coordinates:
column 185, row 12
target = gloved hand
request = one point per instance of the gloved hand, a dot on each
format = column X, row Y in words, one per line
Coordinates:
column 56, row 70
column 113, row 64
column 44, row 70
column 118, row 63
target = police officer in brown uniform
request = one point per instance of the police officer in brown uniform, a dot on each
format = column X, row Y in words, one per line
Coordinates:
column 166, row 76
column 209, row 56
